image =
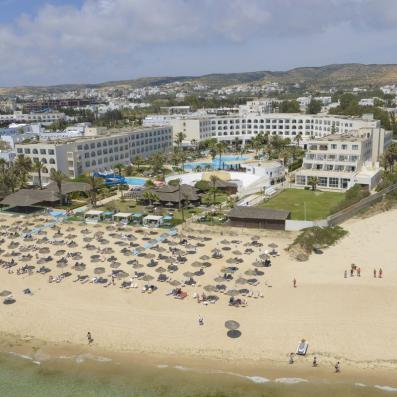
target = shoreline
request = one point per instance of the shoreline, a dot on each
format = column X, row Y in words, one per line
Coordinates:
column 261, row 371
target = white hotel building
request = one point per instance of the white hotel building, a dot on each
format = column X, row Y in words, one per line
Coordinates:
column 81, row 155
column 246, row 125
column 19, row 117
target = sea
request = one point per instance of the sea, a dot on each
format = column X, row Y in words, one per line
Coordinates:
column 92, row 376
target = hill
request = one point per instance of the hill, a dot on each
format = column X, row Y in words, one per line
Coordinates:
column 337, row 75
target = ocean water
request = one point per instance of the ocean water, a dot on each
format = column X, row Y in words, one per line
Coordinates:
column 21, row 376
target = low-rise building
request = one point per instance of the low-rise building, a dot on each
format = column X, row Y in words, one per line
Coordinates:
column 45, row 117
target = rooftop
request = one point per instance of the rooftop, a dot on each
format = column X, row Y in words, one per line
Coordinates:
column 258, row 213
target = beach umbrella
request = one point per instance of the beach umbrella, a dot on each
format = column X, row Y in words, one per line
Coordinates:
column 233, row 333
column 196, row 264
column 5, row 293
column 150, row 256
column 204, row 257
column 169, row 204
column 162, row 277
column 70, row 229
column 241, row 280
column 219, row 279
column 210, row 288
column 207, row 238
column 120, row 274
column 60, row 252
column 160, row 270
column 62, row 264
column 85, row 231
column 9, row 301
column 225, row 242
column 232, row 292
column 174, row 283
column 147, row 277
column 188, row 274
column 79, row 267
column 206, row 264
column 199, row 272
column 256, row 237
column 231, row 324
column 237, row 252
column 99, row 270
column 231, row 261
column 137, row 266
column 221, row 287
column 70, row 236
column 44, row 250
column 252, row 281
column 250, row 272
column 115, row 265
column 173, row 268
column 273, row 245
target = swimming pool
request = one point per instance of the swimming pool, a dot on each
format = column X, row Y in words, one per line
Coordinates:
column 218, row 162
column 135, row 181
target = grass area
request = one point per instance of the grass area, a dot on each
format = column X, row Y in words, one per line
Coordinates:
column 318, row 204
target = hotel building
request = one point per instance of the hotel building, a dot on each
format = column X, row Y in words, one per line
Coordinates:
column 81, row 155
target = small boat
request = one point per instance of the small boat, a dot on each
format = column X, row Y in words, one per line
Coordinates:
column 302, row 348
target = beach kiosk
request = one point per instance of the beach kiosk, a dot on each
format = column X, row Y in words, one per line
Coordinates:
column 137, row 217
column 167, row 220
column 122, row 217
column 153, row 220
column 93, row 216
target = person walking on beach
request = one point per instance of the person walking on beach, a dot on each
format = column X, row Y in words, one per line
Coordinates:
column 380, row 273
column 337, row 367
column 345, row 273
column 89, row 338
column 315, row 361
column 359, row 272
column 200, row 320
column 294, row 282
column 291, row 358
column 374, row 273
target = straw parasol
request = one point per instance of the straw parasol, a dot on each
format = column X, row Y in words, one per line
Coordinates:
column 210, row 288
column 232, row 292
column 237, row 252
column 233, row 333
column 196, row 264
column 5, row 293
column 174, row 283
column 147, row 277
column 204, row 257
column 241, row 280
column 273, row 245
column 231, row 324
column 160, row 270
column 79, row 267
column 99, row 270
column 115, row 265
column 60, row 252
column 188, row 274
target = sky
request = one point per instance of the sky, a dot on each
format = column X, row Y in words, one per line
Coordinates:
column 47, row 42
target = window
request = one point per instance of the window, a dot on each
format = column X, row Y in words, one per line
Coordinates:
column 42, row 151
column 334, row 146
column 300, row 180
column 322, row 181
column 344, row 147
column 333, row 182
column 354, row 147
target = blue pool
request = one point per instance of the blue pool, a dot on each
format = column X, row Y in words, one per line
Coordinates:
column 135, row 181
column 216, row 163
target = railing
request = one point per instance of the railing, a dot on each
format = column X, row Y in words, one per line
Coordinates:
column 349, row 212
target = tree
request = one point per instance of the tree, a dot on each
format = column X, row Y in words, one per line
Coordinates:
column 220, row 148
column 298, row 139
column 94, row 184
column 138, row 161
column 180, row 198
column 150, row 196
column 157, row 161
column 289, row 107
column 23, row 165
column 180, row 137
column 213, row 181
column 313, row 182
column 37, row 167
column 314, row 107
column 58, row 177
column 119, row 167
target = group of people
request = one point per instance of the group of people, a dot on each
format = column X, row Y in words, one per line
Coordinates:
column 356, row 270
column 315, row 362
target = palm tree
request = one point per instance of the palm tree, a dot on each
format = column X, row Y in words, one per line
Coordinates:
column 298, row 139
column 119, row 167
column 23, row 165
column 213, row 180
column 58, row 177
column 220, row 148
column 94, row 184
column 37, row 167
column 138, row 161
column 180, row 137
column 313, row 182
column 180, row 198
column 157, row 161
column 150, row 196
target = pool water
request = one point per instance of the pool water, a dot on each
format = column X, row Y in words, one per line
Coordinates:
column 218, row 162
column 135, row 181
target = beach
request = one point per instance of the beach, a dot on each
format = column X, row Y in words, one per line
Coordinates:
column 351, row 320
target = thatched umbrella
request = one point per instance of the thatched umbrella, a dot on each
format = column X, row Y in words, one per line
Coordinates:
column 188, row 274
column 232, row 292
column 231, row 324
column 255, row 238
column 160, row 270
column 219, row 279
column 237, row 252
column 5, row 293
column 173, row 268
column 226, row 248
column 115, row 265
column 234, row 333
column 147, row 277
column 79, row 267
column 120, row 274
column 137, row 266
column 99, row 270
column 44, row 250
column 241, row 280
column 174, row 283
column 62, row 264
column 60, row 252
column 204, row 257
column 273, row 245
column 196, row 264
column 210, row 288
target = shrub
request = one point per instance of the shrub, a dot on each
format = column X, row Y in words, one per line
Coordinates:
column 203, row 186
column 321, row 237
column 173, row 182
column 352, row 196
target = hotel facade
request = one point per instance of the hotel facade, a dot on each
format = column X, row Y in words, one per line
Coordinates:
column 75, row 157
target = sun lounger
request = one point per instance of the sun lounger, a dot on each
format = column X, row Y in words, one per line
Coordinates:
column 302, row 348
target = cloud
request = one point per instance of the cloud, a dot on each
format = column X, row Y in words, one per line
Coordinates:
column 105, row 39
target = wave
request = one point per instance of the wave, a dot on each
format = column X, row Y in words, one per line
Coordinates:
column 257, row 379
column 24, row 356
column 389, row 389
column 290, row 381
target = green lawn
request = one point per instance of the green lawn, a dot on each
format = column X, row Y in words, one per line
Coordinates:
column 318, row 204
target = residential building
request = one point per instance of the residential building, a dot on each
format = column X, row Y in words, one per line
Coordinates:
column 77, row 156
column 18, row 116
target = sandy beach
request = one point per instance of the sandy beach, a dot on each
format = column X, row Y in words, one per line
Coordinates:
column 347, row 319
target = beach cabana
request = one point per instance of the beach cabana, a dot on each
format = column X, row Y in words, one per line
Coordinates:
column 264, row 218
column 137, row 217
column 168, row 220
column 122, row 217
column 93, row 216
column 153, row 220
